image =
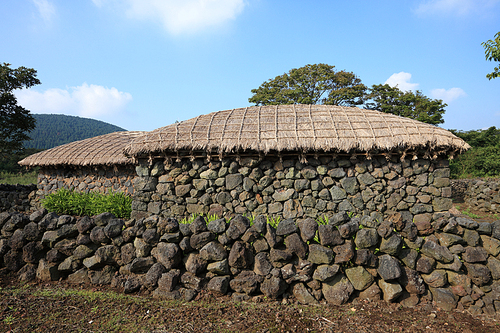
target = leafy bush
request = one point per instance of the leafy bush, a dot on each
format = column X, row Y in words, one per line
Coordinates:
column 483, row 159
column 88, row 204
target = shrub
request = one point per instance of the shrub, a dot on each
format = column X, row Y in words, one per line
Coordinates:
column 75, row 203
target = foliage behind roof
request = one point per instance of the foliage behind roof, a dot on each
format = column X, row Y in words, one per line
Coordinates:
column 104, row 149
column 304, row 128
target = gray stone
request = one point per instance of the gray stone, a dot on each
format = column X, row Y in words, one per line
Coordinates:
column 246, row 282
column 273, row 287
column 308, row 228
column 141, row 265
column 366, row 238
column 217, row 226
column 412, row 282
column 325, row 272
column 283, row 195
column 79, row 277
column 475, row 254
column 436, row 279
column 494, row 267
column 237, row 227
column 262, row 265
column 389, row 268
column 213, row 251
column 329, row 235
column 344, row 253
column 169, row 280
column 219, row 285
column 142, row 249
column 302, row 295
column 82, row 252
column 197, row 241
column 168, row 254
column 194, row 263
column 440, row 253
column 97, row 236
column 320, row 254
column 491, row 245
column 359, row 277
column 295, row 245
column 84, row 224
column 286, row 227
column 337, row 194
column 479, row 274
column 390, row 290
column 444, row 298
column 47, row 271
column 233, row 180
column 240, row 255
column 391, row 245
column 337, row 290
column 219, row 267
column 31, row 232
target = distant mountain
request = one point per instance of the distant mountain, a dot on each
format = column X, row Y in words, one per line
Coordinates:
column 56, row 129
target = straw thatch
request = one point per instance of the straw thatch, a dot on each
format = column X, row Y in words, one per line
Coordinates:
column 304, row 128
column 105, row 149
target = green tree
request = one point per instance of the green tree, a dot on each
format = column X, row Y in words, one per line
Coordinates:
column 492, row 53
column 15, row 121
column 406, row 104
column 311, row 84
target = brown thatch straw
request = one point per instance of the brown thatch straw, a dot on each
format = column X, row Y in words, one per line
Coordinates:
column 305, row 128
column 105, row 149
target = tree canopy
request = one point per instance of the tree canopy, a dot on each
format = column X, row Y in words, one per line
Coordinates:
column 15, row 121
column 311, row 84
column 406, row 104
column 322, row 84
column 492, row 53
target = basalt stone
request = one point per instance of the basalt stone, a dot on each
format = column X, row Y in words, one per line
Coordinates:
column 31, row 232
column 169, row 280
column 475, row 254
column 173, row 237
column 408, row 257
column 185, row 229
column 484, row 228
column 436, row 279
column 286, row 227
column 49, row 219
column 98, row 236
column 213, row 251
column 467, row 223
column 32, row 252
column 385, row 229
column 365, row 257
column 338, row 219
column 279, row 258
column 197, row 241
column 168, row 225
column 103, row 219
column 344, row 253
column 168, row 254
column 47, row 271
column 295, row 245
column 412, row 282
column 491, row 245
column 319, row 254
column 391, row 245
column 194, row 263
column 132, row 284
column 237, row 227
column 36, row 216
column 308, row 228
column 390, row 290
column 219, row 285
column 471, row 237
column 262, row 265
column 366, row 238
column 494, row 267
column 142, row 249
column 66, row 246
column 150, row 236
column 69, row 265
column 260, row 245
column 444, row 298
column 233, row 180
column 49, row 238
column 219, row 267
column 17, row 240
column 105, row 255
column 273, row 287
column 13, row 260
column 79, row 277
column 372, row 293
column 250, row 236
column 114, row 228
column 27, row 273
column 141, row 265
column 67, row 231
column 303, row 295
column 359, row 277
column 246, row 282
column 448, row 240
column 425, row 264
column 198, row 225
column 54, row 256
column 440, row 253
column 325, row 272
column 127, row 253
column 240, row 256
column 283, row 195
column 388, row 267
column 479, row 274
column 337, row 290
column 329, row 235
column 217, row 226
column 348, row 229
column 104, row 276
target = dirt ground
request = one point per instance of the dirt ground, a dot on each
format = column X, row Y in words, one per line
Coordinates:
column 60, row 307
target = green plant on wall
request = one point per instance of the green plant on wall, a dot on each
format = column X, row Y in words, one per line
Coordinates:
column 75, row 203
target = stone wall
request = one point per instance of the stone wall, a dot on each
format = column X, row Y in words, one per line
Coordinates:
column 16, row 198
column 455, row 264
column 85, row 179
column 288, row 188
column 484, row 195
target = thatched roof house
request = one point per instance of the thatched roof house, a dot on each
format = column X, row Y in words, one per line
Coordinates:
column 295, row 161
column 94, row 164
column 304, row 128
column 102, row 150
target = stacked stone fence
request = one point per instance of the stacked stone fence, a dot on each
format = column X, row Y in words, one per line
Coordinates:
column 484, row 195
column 453, row 263
column 16, row 198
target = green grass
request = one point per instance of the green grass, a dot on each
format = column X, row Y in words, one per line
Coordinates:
column 18, row 178
column 88, row 204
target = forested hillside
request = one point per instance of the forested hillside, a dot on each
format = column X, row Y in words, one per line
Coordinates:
column 57, row 129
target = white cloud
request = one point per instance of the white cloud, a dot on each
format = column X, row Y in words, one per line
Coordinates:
column 402, row 81
column 85, row 100
column 455, row 7
column 46, row 9
column 180, row 17
column 448, row 95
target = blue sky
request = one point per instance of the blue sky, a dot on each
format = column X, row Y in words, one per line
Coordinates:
column 143, row 64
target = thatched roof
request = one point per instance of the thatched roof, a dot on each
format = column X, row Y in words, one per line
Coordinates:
column 305, row 128
column 105, row 149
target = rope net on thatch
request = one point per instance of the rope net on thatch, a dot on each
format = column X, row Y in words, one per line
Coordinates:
column 105, row 149
column 305, row 128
